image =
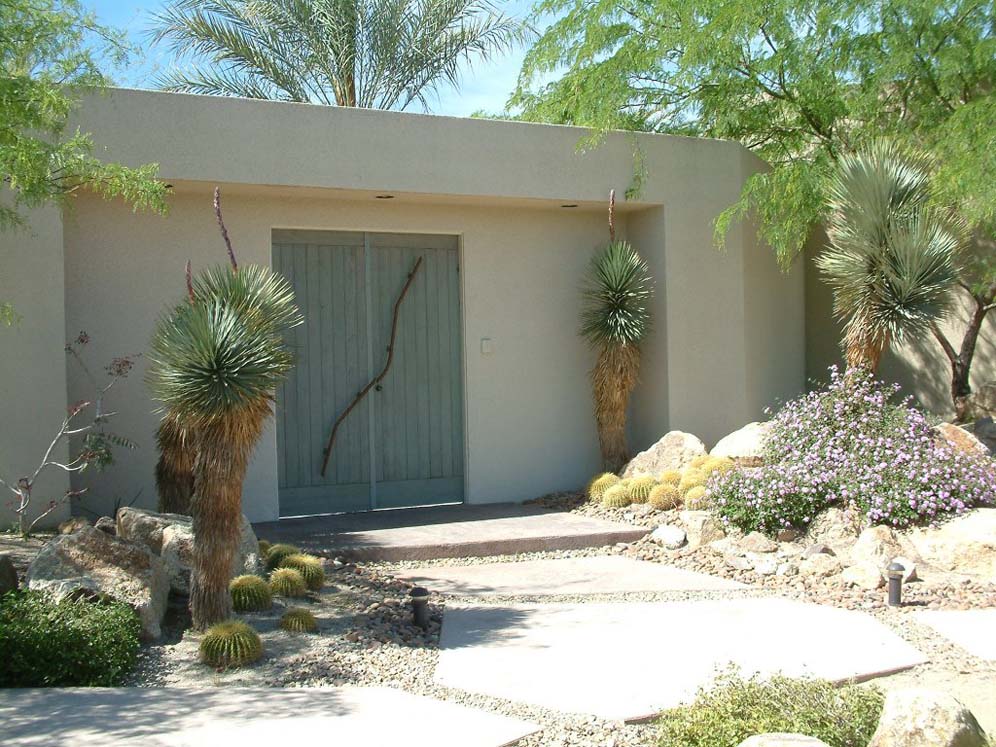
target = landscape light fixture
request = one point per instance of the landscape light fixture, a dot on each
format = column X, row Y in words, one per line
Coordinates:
column 420, row 606
column 895, row 573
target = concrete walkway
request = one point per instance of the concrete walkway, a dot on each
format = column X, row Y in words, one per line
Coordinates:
column 608, row 574
column 146, row 717
column 447, row 532
column 973, row 630
column 628, row 661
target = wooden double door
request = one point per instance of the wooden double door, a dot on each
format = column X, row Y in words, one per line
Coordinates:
column 403, row 444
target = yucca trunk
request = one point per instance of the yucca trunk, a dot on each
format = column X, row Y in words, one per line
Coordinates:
column 862, row 349
column 175, row 467
column 613, row 379
column 223, row 451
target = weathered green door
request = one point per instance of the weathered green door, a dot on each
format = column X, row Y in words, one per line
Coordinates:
column 403, row 445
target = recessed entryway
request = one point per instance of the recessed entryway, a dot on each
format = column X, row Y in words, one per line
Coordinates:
column 403, row 444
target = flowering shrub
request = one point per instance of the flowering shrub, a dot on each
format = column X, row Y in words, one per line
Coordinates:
column 849, row 445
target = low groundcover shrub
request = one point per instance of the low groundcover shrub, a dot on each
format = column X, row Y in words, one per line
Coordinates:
column 734, row 709
column 69, row 643
column 849, row 444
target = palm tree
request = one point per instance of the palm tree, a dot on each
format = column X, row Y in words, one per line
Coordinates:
column 216, row 360
column 891, row 257
column 614, row 320
column 380, row 54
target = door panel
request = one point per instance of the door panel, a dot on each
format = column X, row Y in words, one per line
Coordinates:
column 411, row 429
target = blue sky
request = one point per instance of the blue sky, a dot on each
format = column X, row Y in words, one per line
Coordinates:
column 485, row 87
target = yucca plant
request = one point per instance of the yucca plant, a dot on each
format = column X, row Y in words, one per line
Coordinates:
column 174, row 468
column 215, row 362
column 614, row 320
column 891, row 257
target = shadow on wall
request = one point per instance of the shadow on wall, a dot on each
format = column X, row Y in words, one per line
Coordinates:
column 919, row 367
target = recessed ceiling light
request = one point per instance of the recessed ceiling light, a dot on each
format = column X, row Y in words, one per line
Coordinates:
column 385, row 197
column 574, row 205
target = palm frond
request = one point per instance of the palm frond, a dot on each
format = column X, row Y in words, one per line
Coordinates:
column 372, row 53
column 616, row 297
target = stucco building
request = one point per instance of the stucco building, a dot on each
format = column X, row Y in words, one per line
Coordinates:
column 488, row 399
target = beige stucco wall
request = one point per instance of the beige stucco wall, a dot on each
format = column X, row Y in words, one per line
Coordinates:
column 33, row 361
column 919, row 366
column 727, row 339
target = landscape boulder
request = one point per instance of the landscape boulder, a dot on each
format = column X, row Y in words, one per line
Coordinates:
column 876, row 546
column 74, row 524
column 926, row 718
column 8, row 575
column 171, row 536
column 757, row 542
column 984, row 429
column 965, row 544
column 99, row 564
column 671, row 537
column 820, row 565
column 782, row 739
column 834, row 527
column 961, row 439
column 745, row 444
column 864, row 575
column 701, row 527
column 675, row 450
column 106, row 524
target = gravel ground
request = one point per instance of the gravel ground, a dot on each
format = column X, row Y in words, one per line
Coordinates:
column 366, row 636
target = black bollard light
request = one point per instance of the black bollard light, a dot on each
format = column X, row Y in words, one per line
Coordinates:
column 420, row 606
column 895, row 573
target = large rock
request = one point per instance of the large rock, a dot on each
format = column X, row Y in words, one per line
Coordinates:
column 97, row 563
column 961, row 439
column 8, row 575
column 674, row 451
column 820, row 565
column 984, row 429
column 69, row 526
column 146, row 527
column 757, row 542
column 965, row 544
column 926, row 718
column 746, row 444
column 701, row 527
column 876, row 546
column 834, row 527
column 671, row 537
column 172, row 537
column 782, row 739
column 864, row 575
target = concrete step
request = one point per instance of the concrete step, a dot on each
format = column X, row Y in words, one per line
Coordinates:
column 447, row 532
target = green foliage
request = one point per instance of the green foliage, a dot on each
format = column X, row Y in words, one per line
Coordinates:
column 49, row 52
column 310, row 568
column 736, row 708
column 250, row 594
column 298, row 620
column 665, row 497
column 276, row 554
column 640, row 487
column 224, row 352
column 378, row 54
column 65, row 644
column 230, row 644
column 797, row 82
column 288, row 582
column 598, row 486
column 891, row 258
column 617, row 496
column 617, row 295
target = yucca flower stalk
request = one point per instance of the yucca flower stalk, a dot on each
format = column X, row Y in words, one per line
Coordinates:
column 216, row 361
column 891, row 257
column 615, row 319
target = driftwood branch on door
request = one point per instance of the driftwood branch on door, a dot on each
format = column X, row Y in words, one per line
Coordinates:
column 379, row 377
